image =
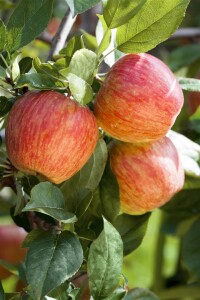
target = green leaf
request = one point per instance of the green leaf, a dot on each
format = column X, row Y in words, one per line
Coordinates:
column 132, row 230
column 25, row 64
column 189, row 84
column 106, row 197
column 2, row 35
column 13, row 296
column 141, row 294
column 84, row 64
column 80, row 89
column 88, row 178
column 183, row 56
column 117, row 13
column 51, row 260
column 103, row 35
column 2, row 295
column 46, row 68
column 27, row 22
column 89, row 40
column 191, row 248
column 105, row 262
column 39, row 81
column 79, row 6
column 118, row 294
column 48, row 199
column 74, row 44
column 151, row 25
column 5, row 105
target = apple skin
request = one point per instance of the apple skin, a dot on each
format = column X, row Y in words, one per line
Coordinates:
column 148, row 176
column 50, row 134
column 139, row 99
column 11, row 237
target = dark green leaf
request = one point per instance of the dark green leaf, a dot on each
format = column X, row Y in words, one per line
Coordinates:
column 106, row 197
column 48, row 199
column 84, row 64
column 153, row 24
column 88, row 178
column 2, row 73
column 141, row 294
column 186, row 203
column 132, row 230
column 27, row 22
column 39, row 81
column 46, row 68
column 117, row 13
column 191, row 248
column 12, row 296
column 25, row 65
column 184, row 56
column 51, row 260
column 5, row 105
column 2, row 296
column 80, row 89
column 105, row 262
column 2, row 35
column 118, row 294
column 74, row 44
column 79, row 6
column 189, row 84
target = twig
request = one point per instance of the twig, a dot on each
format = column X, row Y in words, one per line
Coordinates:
column 61, row 35
column 189, row 32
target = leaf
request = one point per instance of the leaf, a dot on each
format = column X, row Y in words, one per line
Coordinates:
column 189, row 84
column 46, row 68
column 2, row 295
column 89, row 176
column 80, row 89
column 25, row 64
column 2, row 35
column 74, row 44
column 191, row 248
column 183, row 56
column 141, row 294
column 132, row 230
column 153, row 24
column 117, row 13
column 118, row 294
column 39, row 81
column 5, row 105
column 89, row 40
column 105, row 262
column 51, row 260
column 84, row 64
column 22, row 26
column 106, row 197
column 48, row 199
column 103, row 35
column 79, row 6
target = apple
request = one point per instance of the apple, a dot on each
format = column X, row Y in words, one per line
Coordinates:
column 139, row 99
column 148, row 175
column 11, row 237
column 50, row 134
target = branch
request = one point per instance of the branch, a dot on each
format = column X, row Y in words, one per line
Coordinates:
column 189, row 32
column 61, row 35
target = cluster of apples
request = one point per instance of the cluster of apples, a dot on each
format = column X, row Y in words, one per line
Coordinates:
column 137, row 105
column 51, row 135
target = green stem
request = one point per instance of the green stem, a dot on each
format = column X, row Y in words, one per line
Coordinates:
column 102, row 41
column 3, row 59
column 102, row 59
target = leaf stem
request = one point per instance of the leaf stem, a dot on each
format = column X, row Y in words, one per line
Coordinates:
column 98, row 52
column 102, row 59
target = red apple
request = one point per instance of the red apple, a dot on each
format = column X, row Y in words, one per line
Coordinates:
column 139, row 99
column 50, row 134
column 11, row 237
column 148, row 176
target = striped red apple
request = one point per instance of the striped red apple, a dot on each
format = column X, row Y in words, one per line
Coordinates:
column 139, row 99
column 148, row 175
column 50, row 134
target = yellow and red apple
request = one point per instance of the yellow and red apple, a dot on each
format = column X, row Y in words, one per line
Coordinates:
column 139, row 99
column 148, row 175
column 50, row 134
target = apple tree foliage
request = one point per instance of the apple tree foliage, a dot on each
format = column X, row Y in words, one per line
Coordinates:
column 76, row 227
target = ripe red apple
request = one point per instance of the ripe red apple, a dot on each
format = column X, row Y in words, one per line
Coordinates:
column 11, row 237
column 148, row 175
column 139, row 99
column 50, row 134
